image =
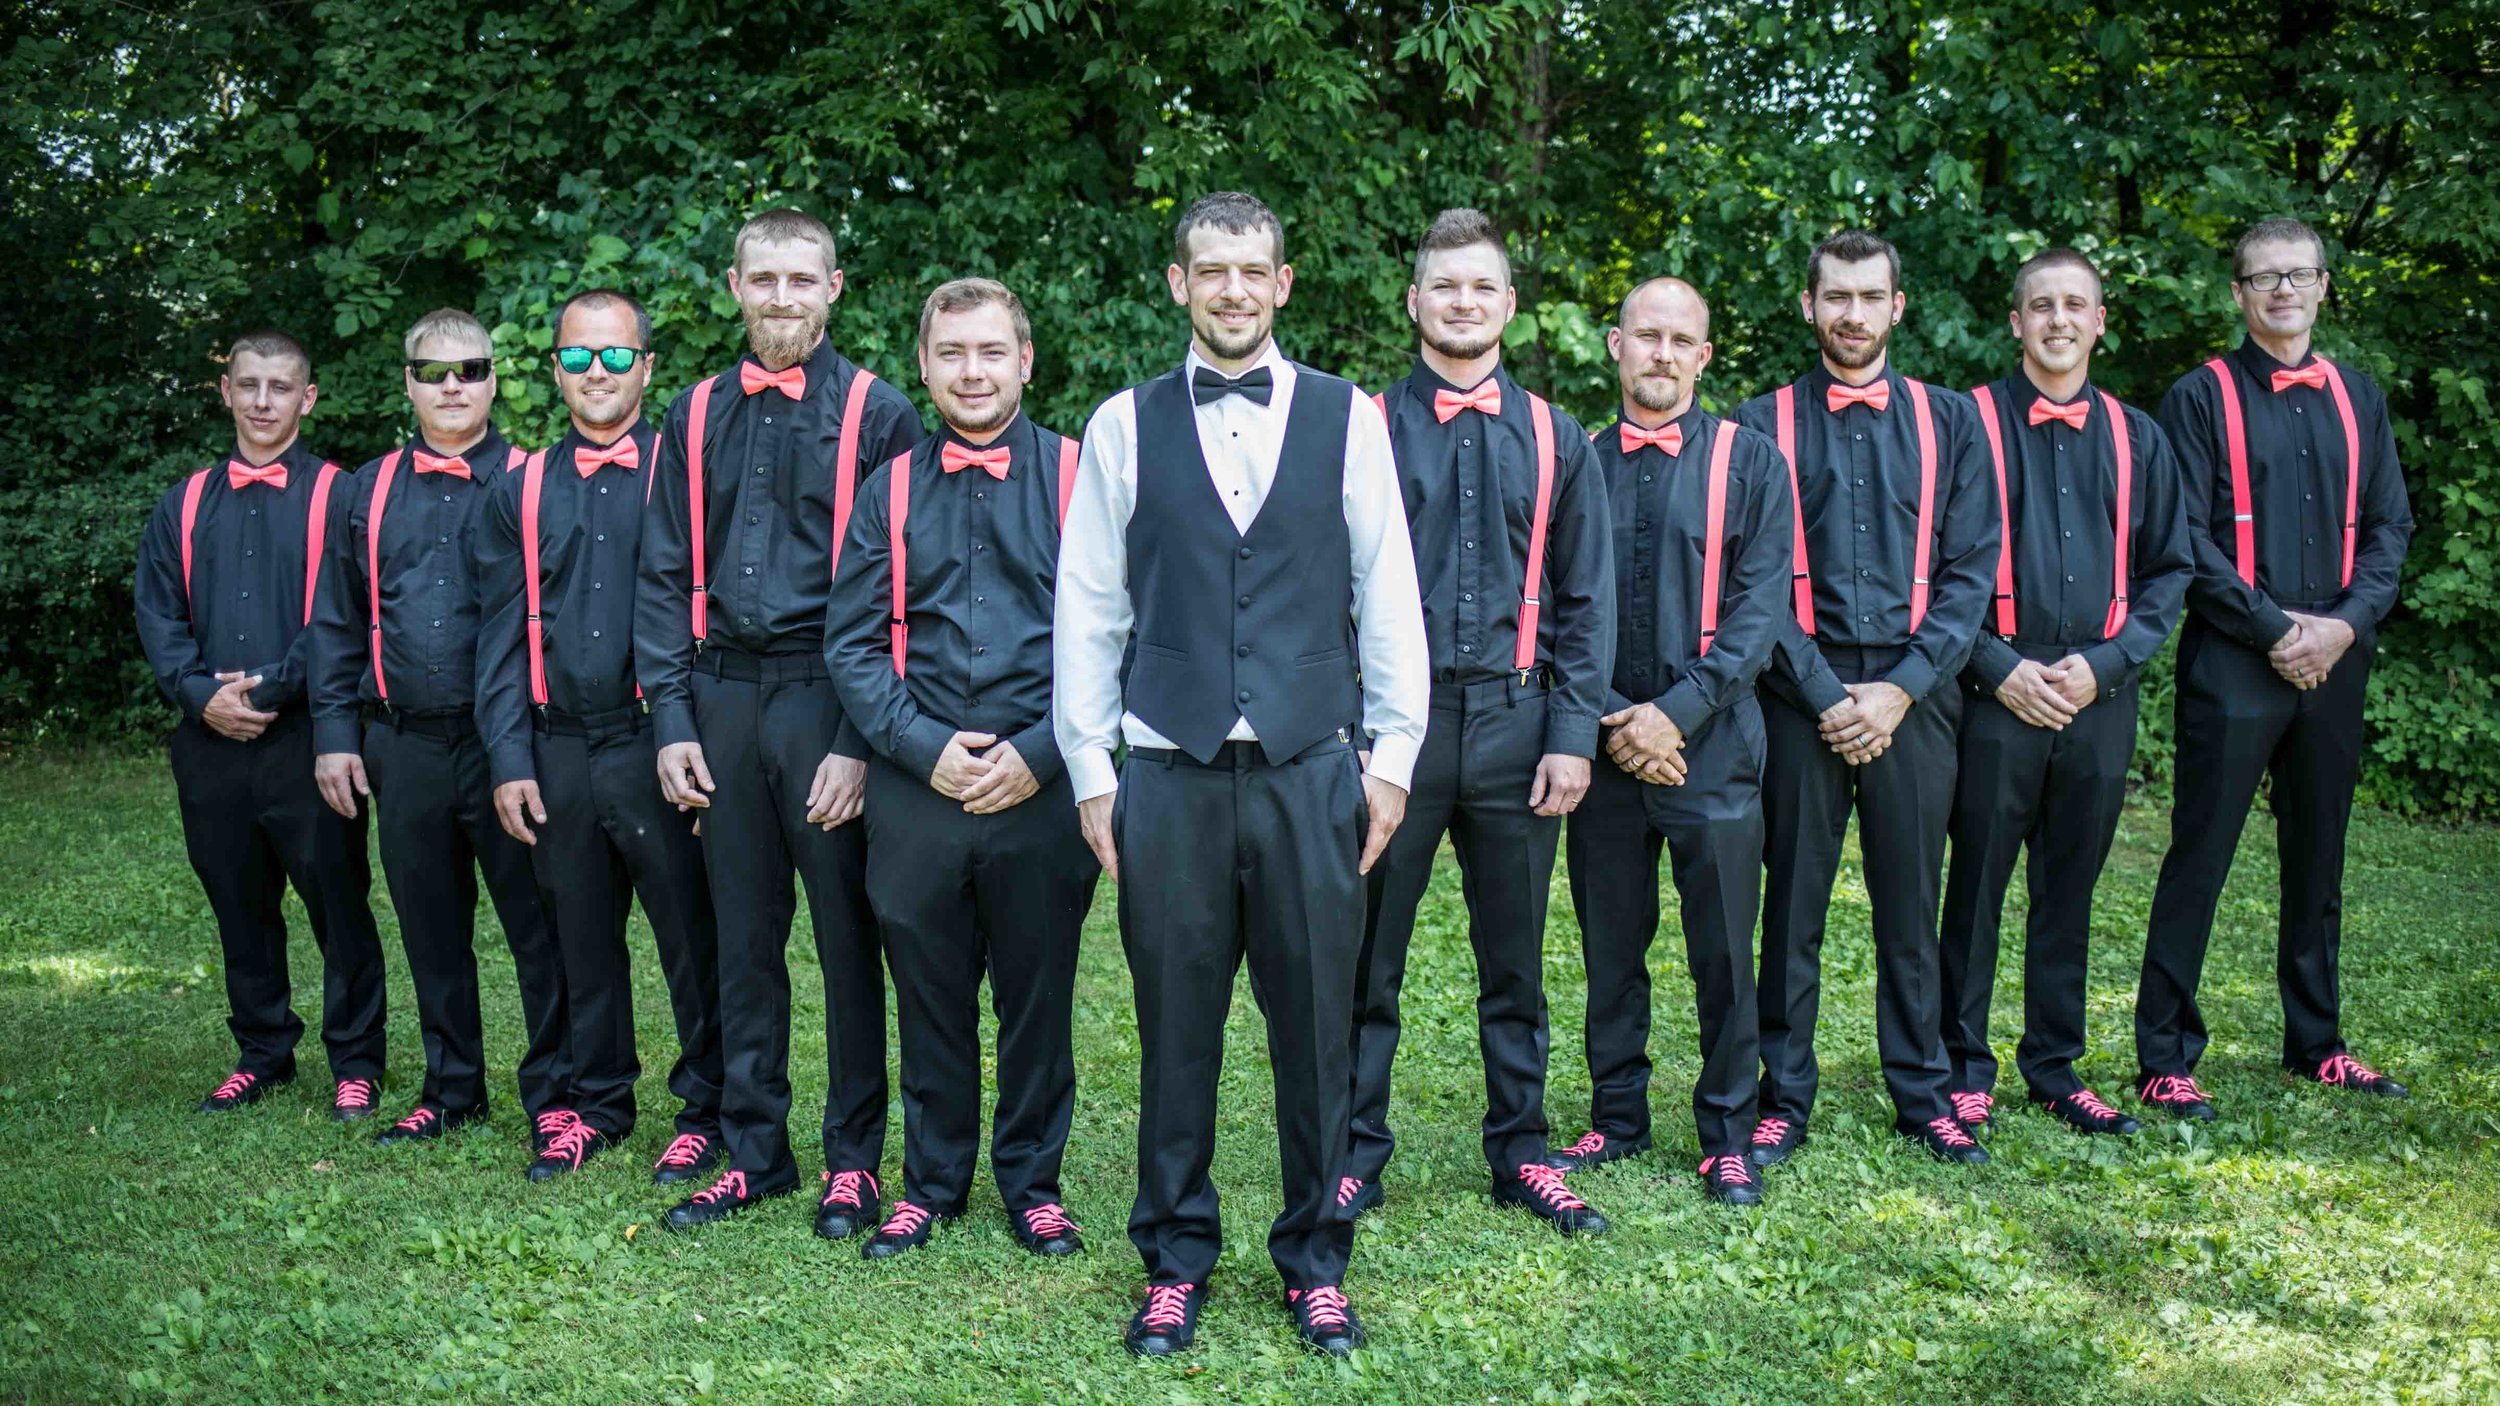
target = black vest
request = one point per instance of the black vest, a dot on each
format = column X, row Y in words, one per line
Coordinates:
column 1256, row 624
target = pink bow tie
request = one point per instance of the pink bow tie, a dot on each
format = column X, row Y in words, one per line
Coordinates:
column 623, row 454
column 453, row 465
column 790, row 380
column 1874, row 396
column 2313, row 376
column 1670, row 439
column 955, row 458
column 1486, row 397
column 2044, row 410
column 240, row 475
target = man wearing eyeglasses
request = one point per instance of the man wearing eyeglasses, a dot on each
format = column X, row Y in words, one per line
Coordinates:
column 569, row 745
column 394, row 638
column 2297, row 515
column 224, row 584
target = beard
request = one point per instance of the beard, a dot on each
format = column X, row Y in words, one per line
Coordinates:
column 1657, row 395
column 783, row 341
column 1847, row 360
column 1462, row 348
column 1229, row 343
column 995, row 415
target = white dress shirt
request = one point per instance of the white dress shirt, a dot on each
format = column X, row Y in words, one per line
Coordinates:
column 1241, row 440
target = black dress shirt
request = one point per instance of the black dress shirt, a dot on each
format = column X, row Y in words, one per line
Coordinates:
column 589, row 538
column 768, row 480
column 1660, row 507
column 980, row 556
column 245, row 606
column 1470, row 492
column 2296, row 483
column 1858, row 490
column 428, row 637
column 2061, row 490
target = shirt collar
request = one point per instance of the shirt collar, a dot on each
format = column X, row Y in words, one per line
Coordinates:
column 2021, row 381
column 2260, row 363
column 1018, row 431
column 487, row 453
column 1423, row 381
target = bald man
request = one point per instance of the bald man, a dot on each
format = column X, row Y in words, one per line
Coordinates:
column 1701, row 518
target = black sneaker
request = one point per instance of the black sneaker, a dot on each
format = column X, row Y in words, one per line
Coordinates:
column 2341, row 1071
column 1167, row 1322
column 425, row 1123
column 242, row 1088
column 355, row 1100
column 1540, row 1188
column 2084, row 1112
column 1325, row 1321
column 2176, row 1094
column 1047, row 1231
column 907, row 1229
column 545, row 1126
column 565, row 1152
column 1358, row 1196
column 1729, row 1180
column 731, row 1193
column 1775, row 1140
column 1594, row 1149
column 689, row 1155
column 848, row 1206
column 1972, row 1109
column 1946, row 1140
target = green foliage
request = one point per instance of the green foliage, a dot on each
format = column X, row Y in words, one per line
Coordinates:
column 174, row 173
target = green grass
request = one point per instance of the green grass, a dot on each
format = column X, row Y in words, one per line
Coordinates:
column 2309, row 1247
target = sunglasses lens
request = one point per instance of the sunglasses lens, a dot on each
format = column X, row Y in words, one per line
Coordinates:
column 619, row 359
column 574, row 360
column 430, row 372
column 476, row 369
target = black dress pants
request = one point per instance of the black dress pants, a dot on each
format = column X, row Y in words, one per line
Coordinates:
column 765, row 721
column 1217, row 862
column 956, row 896
column 254, row 822
column 1472, row 781
column 610, row 835
column 434, row 806
column 2239, row 722
column 1903, row 800
column 1711, row 830
column 2060, row 794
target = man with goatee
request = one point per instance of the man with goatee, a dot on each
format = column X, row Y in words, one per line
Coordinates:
column 939, row 643
column 1893, row 555
column 2297, row 515
column 2095, row 563
column 1508, row 520
column 755, row 475
column 1701, row 548
column 1237, row 520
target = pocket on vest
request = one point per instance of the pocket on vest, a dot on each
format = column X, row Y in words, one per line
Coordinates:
column 1163, row 651
column 1319, row 657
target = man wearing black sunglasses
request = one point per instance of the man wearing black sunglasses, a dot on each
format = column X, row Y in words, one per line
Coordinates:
column 393, row 654
column 751, row 490
column 2297, row 515
column 570, row 745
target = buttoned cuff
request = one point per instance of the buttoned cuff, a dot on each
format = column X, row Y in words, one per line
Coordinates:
column 511, row 760
column 1822, row 691
column 1569, row 734
column 338, row 732
column 1992, row 661
column 920, row 746
column 673, row 722
column 2364, row 623
column 1040, row 751
column 1684, row 707
column 2268, row 623
column 1393, row 760
column 1913, row 676
column 2110, row 666
column 1091, row 774
column 195, row 691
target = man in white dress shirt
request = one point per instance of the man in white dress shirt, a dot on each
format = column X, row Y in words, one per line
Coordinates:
column 1238, row 521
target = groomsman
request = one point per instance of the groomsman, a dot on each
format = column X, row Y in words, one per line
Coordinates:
column 394, row 635
column 1237, row 520
column 2094, row 565
column 1894, row 550
column 569, row 746
column 1508, row 518
column 2297, row 514
column 752, row 486
column 227, row 574
column 938, row 640
column 1701, row 523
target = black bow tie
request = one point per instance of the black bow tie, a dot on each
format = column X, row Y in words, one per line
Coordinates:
column 1258, row 383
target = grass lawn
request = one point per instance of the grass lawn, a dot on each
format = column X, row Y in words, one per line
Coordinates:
column 2309, row 1247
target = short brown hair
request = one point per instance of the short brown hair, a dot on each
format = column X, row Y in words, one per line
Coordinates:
column 446, row 322
column 965, row 294
column 1852, row 246
column 1232, row 212
column 2058, row 258
column 596, row 298
column 270, row 342
column 1460, row 228
column 783, row 226
column 2282, row 229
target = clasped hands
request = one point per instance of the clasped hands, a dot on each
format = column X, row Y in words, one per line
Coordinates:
column 2310, row 650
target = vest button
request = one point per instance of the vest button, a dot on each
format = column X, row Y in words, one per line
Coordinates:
column 1244, row 602
column 1245, row 554
column 1243, row 696
column 1242, row 650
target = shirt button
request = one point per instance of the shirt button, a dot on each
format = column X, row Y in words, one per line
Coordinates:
column 1468, row 493
column 977, row 497
column 746, row 620
column 443, row 539
column 441, row 581
column 446, row 497
column 598, row 585
column 1467, row 595
column 603, row 490
column 2070, row 580
column 2061, row 490
column 1466, row 649
column 2296, row 410
column 1861, row 573
column 751, row 519
column 747, row 570
column 977, row 649
column 247, row 595
column 980, row 600
column 438, row 624
column 1863, row 619
column 1857, row 436
column 2306, row 497
column 1643, row 527
column 1644, row 478
column 759, row 468
column 248, row 551
column 2065, row 534
column 1469, row 545
column 594, row 634
column 978, row 547
column 238, row 639
column 1861, row 483
column 1466, row 444
column 434, row 669
column 768, row 419
column 255, row 512
column 1861, row 527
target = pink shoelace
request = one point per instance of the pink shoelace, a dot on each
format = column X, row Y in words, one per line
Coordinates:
column 418, row 1121
column 1347, row 1189
column 1167, row 1305
column 354, row 1093
column 237, row 1084
column 556, row 1120
column 1590, row 1144
column 731, row 1185
column 843, row 1189
column 1730, row 1168
column 572, row 1144
column 1950, row 1133
column 2091, row 1104
column 1547, row 1184
column 2173, row 1088
column 2345, row 1072
column 906, row 1220
column 1049, row 1221
column 1325, row 1306
column 1770, row 1132
column 1972, row 1107
column 686, row 1150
